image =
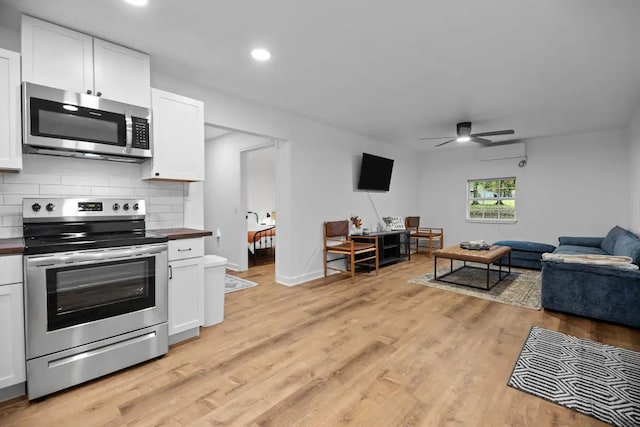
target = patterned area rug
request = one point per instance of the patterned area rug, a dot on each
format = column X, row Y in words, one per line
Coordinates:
column 521, row 287
column 595, row 379
column 233, row 283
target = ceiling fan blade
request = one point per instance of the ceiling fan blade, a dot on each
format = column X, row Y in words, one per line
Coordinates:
column 481, row 140
column 446, row 142
column 435, row 137
column 495, row 132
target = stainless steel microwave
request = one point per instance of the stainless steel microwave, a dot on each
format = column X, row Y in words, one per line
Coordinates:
column 74, row 124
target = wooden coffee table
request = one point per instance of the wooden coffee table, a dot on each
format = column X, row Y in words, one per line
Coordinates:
column 486, row 257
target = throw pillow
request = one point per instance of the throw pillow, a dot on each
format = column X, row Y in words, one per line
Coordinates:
column 627, row 246
column 609, row 242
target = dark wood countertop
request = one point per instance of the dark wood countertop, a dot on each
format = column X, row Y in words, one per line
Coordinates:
column 182, row 233
column 11, row 246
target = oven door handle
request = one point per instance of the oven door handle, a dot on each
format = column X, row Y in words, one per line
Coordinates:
column 49, row 260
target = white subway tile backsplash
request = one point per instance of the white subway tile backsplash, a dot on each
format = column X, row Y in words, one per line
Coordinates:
column 127, row 182
column 19, row 188
column 152, row 225
column 160, row 192
column 167, row 216
column 11, row 210
column 85, row 180
column 112, row 191
column 161, row 209
column 164, row 200
column 12, row 221
column 6, row 232
column 65, row 190
column 30, row 178
column 16, row 199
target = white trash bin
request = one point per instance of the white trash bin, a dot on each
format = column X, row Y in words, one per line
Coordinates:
column 214, row 270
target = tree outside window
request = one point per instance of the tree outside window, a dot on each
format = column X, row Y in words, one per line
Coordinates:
column 491, row 199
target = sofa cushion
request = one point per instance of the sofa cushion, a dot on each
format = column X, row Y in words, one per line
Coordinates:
column 609, row 241
column 627, row 245
column 595, row 242
column 524, row 246
column 572, row 249
column 536, row 256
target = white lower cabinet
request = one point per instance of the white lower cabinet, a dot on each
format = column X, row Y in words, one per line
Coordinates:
column 12, row 355
column 186, row 286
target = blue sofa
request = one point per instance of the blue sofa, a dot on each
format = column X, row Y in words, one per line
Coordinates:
column 601, row 292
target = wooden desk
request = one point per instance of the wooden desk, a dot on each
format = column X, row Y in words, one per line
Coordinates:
column 393, row 246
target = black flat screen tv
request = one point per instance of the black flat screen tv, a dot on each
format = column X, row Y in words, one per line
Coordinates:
column 375, row 173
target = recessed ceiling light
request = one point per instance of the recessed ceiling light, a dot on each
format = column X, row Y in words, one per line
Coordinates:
column 70, row 107
column 137, row 2
column 261, row 54
column 463, row 139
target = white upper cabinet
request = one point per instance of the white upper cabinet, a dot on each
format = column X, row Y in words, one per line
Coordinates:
column 65, row 59
column 178, row 138
column 121, row 73
column 56, row 56
column 10, row 140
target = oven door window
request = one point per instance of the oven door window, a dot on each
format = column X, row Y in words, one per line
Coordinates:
column 81, row 294
column 57, row 120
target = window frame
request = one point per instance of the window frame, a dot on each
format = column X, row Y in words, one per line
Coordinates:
column 469, row 199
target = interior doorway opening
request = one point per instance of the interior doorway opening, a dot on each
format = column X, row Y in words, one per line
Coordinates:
column 241, row 196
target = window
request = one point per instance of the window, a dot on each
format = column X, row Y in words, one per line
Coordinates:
column 491, row 199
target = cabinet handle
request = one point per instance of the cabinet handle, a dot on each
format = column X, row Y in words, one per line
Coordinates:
column 89, row 92
column 157, row 173
column 170, row 272
column 99, row 93
column 184, row 250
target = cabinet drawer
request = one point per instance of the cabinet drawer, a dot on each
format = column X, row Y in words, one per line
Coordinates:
column 186, row 248
column 11, row 267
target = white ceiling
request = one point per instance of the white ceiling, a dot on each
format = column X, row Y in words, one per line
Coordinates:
column 394, row 71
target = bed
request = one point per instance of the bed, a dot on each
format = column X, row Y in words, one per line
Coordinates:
column 261, row 238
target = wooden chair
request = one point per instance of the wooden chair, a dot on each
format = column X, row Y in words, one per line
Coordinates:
column 412, row 223
column 337, row 241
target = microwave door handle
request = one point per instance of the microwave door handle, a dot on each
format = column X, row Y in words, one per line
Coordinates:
column 129, row 132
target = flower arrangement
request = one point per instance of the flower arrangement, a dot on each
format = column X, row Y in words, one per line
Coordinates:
column 356, row 221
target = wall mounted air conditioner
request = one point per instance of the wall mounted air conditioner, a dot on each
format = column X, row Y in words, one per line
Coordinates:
column 505, row 151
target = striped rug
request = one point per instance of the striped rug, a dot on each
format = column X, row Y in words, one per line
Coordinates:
column 589, row 377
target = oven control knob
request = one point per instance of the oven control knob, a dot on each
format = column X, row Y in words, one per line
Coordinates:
column 116, row 206
column 135, row 206
column 125, row 206
column 50, row 207
column 36, row 207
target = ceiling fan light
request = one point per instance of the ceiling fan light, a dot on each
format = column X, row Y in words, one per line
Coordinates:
column 463, row 139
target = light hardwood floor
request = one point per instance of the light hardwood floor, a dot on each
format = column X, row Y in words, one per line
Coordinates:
column 380, row 352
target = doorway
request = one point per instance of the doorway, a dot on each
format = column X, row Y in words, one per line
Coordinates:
column 241, row 171
column 259, row 194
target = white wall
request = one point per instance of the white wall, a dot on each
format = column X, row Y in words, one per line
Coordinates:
column 49, row 176
column 260, row 169
column 574, row 185
column 634, row 169
column 315, row 175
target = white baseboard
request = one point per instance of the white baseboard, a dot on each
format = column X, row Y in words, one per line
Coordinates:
column 233, row 266
column 298, row 280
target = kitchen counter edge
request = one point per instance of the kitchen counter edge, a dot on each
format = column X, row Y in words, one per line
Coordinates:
column 12, row 246
column 181, row 233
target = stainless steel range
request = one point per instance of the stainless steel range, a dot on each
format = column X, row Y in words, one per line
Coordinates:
column 95, row 290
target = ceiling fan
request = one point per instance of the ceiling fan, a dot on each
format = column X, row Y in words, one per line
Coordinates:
column 465, row 135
